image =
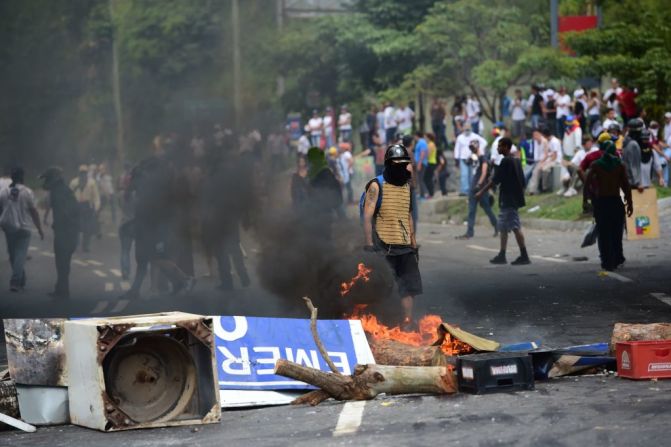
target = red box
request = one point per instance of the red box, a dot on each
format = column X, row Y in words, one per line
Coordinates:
column 644, row 359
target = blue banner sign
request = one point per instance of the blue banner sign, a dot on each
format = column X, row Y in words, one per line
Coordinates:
column 248, row 347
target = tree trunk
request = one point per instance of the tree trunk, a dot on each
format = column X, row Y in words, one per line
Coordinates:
column 370, row 380
column 639, row 332
column 390, row 352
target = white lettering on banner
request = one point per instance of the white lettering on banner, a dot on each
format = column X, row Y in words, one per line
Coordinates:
column 342, row 364
column 275, row 351
column 302, row 358
column 244, row 368
column 238, row 332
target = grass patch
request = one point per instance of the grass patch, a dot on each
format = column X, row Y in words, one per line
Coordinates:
column 551, row 206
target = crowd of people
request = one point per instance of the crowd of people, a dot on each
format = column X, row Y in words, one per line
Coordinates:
column 589, row 143
column 185, row 194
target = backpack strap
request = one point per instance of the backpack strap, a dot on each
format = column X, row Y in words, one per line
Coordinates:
column 380, row 181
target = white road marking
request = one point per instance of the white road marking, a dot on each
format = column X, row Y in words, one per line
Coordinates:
column 102, row 305
column 432, row 241
column 477, row 247
column 100, row 273
column 350, row 418
column 33, row 248
column 78, row 262
column 619, row 277
column 48, row 254
column 116, row 272
column 663, row 297
column 542, row 258
column 92, row 262
column 545, row 258
column 120, row 305
column 125, row 285
column 109, row 287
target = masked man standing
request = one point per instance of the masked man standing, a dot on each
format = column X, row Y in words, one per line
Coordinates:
column 65, row 225
column 388, row 226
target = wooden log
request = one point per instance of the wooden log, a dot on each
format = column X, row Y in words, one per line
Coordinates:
column 391, row 352
column 312, row 398
column 370, row 380
column 639, row 332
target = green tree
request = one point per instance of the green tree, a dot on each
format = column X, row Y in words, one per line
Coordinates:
column 483, row 48
column 633, row 46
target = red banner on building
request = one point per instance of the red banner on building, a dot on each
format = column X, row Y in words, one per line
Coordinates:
column 574, row 23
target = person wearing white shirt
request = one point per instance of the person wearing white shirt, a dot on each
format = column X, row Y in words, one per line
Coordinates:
column 611, row 119
column 667, row 126
column 494, row 155
column 563, row 104
column 328, row 123
column 518, row 113
column 404, row 116
column 345, row 124
column 614, row 88
column 538, row 149
column 315, row 127
column 390, row 123
column 303, row 145
column 379, row 117
column 5, row 181
column 572, row 136
column 17, row 216
column 473, row 114
column 574, row 165
column 551, row 158
column 462, row 152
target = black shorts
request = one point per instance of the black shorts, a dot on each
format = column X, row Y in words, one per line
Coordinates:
column 406, row 272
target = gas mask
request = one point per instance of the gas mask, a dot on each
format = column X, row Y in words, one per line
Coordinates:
column 397, row 173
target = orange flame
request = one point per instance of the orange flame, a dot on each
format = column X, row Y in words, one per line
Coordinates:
column 363, row 274
column 427, row 334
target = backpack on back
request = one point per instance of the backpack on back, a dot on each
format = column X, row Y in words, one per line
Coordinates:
column 362, row 201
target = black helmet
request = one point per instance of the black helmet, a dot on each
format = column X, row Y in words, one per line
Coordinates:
column 645, row 136
column 396, row 152
column 635, row 125
column 614, row 127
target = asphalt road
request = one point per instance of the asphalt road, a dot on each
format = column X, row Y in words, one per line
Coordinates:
column 557, row 299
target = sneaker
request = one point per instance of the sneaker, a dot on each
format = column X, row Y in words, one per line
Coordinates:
column 13, row 288
column 521, row 260
column 463, row 237
column 561, row 192
column 499, row 259
column 571, row 192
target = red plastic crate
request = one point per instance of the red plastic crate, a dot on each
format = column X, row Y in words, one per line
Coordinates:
column 644, row 359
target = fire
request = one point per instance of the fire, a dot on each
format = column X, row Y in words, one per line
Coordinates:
column 363, row 274
column 427, row 335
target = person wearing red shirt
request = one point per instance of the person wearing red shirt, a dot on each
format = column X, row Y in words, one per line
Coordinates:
column 627, row 100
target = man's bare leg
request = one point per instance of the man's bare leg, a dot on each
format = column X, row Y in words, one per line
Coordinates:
column 407, row 304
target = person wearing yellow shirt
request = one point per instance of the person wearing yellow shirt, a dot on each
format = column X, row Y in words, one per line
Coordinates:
column 432, row 159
